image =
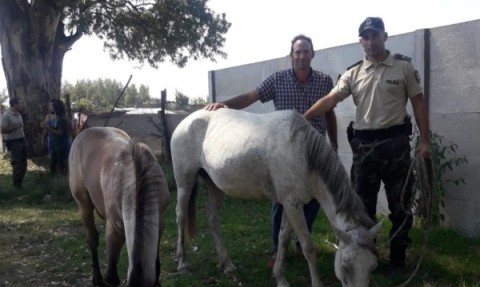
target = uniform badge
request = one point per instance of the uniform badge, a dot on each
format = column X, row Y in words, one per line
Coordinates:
column 417, row 76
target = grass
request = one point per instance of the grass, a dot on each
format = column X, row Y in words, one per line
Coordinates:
column 42, row 243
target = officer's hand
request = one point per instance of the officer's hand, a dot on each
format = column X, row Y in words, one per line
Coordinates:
column 424, row 150
column 215, row 106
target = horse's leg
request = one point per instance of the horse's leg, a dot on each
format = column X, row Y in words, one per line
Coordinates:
column 114, row 241
column 283, row 237
column 88, row 221
column 181, row 212
column 297, row 220
column 185, row 185
column 215, row 205
column 164, row 201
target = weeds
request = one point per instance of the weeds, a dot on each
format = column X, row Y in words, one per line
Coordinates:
column 444, row 161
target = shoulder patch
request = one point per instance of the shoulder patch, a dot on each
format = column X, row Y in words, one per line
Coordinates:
column 356, row 64
column 402, row 57
column 417, row 76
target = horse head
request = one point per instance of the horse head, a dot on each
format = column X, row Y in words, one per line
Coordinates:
column 356, row 255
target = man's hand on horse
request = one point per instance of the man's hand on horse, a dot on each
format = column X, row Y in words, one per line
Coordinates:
column 215, row 106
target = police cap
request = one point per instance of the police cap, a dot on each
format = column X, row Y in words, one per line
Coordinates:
column 371, row 23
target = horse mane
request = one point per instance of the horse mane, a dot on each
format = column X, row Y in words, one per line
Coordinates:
column 324, row 161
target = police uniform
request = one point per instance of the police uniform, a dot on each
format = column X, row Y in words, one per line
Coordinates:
column 380, row 91
column 380, row 140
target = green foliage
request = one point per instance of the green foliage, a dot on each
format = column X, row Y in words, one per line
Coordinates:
column 184, row 102
column 181, row 99
column 198, row 101
column 3, row 99
column 86, row 103
column 151, row 30
column 444, row 160
column 101, row 94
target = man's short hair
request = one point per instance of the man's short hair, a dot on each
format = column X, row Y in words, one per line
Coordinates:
column 301, row 37
column 13, row 101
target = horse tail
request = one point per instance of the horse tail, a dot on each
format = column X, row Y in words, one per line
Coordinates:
column 191, row 221
column 151, row 201
column 325, row 162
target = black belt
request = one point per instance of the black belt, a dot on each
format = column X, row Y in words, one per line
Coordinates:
column 380, row 134
column 15, row 140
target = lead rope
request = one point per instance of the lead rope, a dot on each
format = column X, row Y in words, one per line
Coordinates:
column 424, row 190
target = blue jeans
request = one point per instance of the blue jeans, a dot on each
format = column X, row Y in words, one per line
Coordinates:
column 310, row 210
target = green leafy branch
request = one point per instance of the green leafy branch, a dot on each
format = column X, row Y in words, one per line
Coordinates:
column 444, row 160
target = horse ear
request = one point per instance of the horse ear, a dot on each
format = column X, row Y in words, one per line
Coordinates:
column 342, row 235
column 374, row 230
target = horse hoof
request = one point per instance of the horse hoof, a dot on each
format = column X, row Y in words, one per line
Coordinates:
column 237, row 280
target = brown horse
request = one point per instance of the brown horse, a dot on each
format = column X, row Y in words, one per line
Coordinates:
column 123, row 181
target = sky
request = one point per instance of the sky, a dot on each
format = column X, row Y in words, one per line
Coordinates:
column 262, row 30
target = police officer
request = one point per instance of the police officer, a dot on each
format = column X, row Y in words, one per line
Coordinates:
column 12, row 129
column 381, row 85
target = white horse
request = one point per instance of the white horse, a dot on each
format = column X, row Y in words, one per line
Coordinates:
column 278, row 156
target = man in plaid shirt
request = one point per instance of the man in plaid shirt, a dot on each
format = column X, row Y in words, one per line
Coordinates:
column 297, row 88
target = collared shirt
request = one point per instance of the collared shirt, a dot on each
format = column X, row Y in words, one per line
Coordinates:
column 288, row 94
column 11, row 117
column 380, row 91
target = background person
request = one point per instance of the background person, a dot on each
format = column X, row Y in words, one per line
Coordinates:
column 380, row 86
column 48, row 135
column 81, row 120
column 12, row 129
column 60, row 139
column 297, row 88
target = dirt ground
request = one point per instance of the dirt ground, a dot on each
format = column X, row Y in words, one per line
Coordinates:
column 29, row 258
column 29, row 252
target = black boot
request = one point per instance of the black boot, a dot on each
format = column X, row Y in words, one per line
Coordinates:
column 396, row 266
column 17, row 184
column 397, row 257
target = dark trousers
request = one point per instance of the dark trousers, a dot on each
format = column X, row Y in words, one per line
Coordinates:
column 387, row 162
column 310, row 210
column 18, row 160
column 59, row 161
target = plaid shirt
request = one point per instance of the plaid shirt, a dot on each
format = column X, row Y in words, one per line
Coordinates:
column 288, row 94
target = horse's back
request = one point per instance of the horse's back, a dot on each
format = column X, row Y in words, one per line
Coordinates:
column 94, row 146
column 232, row 130
column 96, row 141
column 237, row 149
column 95, row 151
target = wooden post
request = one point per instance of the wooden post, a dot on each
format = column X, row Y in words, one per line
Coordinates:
column 166, row 133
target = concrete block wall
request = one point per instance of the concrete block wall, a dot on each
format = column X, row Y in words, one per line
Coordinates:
column 447, row 57
column 455, row 114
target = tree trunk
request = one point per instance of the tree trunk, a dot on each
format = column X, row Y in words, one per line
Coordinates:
column 33, row 47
